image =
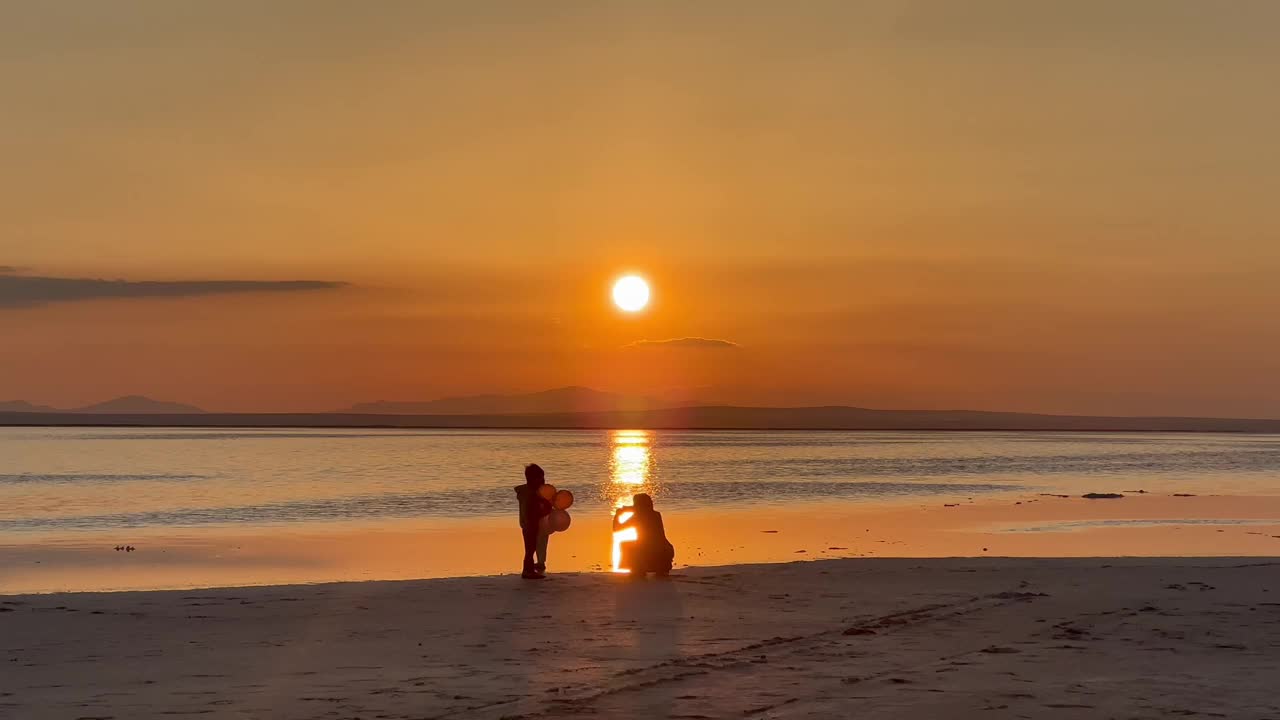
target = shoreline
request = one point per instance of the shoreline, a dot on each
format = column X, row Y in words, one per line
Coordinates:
column 692, row 419
column 683, row 573
column 672, row 428
column 1014, row 525
column 878, row 637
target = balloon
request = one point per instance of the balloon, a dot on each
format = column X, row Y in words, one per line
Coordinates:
column 559, row 520
column 544, row 525
column 563, row 500
column 547, row 492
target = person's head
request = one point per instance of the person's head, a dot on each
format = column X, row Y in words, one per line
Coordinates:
column 642, row 502
column 533, row 474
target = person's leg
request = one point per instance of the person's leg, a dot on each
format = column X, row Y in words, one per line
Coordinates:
column 667, row 560
column 542, row 551
column 642, row 561
column 530, row 545
column 628, row 559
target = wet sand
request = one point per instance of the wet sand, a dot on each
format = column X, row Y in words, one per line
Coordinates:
column 902, row 638
column 1029, row 525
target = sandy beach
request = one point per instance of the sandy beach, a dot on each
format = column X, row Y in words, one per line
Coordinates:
column 903, row 638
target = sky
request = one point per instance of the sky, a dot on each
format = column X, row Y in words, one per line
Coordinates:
column 1053, row 207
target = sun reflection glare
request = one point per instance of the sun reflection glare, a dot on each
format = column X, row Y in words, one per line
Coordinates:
column 631, row 464
column 630, row 469
column 631, row 437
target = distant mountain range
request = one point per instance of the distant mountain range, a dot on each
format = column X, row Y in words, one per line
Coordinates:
column 559, row 400
column 128, row 405
column 691, row 418
column 22, row 406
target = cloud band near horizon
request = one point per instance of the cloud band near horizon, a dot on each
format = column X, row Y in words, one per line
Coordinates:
column 24, row 291
column 687, row 342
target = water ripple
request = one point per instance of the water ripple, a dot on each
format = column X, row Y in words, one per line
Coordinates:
column 490, row 502
column 93, row 478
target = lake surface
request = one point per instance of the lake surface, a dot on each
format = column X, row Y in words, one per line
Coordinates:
column 224, row 507
column 63, row 481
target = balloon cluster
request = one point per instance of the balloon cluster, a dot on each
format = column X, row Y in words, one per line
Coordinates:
column 558, row 519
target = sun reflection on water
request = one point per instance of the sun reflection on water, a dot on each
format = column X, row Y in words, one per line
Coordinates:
column 630, row 469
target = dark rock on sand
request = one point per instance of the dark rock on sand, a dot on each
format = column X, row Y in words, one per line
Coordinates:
column 1013, row 595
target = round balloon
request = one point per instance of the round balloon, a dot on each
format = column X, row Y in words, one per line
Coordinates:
column 563, row 500
column 547, row 492
column 559, row 520
column 544, row 525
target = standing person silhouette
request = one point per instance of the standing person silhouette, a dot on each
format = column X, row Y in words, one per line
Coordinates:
column 651, row 552
column 533, row 508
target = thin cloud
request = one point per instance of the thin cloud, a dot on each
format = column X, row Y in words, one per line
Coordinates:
column 5, row 269
column 21, row 291
column 686, row 342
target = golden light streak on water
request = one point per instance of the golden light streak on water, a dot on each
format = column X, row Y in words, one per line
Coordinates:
column 631, row 467
column 632, row 463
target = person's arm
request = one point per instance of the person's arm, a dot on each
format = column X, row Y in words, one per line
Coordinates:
column 528, row 516
column 531, row 506
column 617, row 524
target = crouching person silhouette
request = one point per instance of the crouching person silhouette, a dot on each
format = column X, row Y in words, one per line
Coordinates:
column 650, row 552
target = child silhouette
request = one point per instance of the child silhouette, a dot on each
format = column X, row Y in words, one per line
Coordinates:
column 533, row 508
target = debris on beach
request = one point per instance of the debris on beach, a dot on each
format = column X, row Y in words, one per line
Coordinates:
column 1101, row 496
column 1014, row 595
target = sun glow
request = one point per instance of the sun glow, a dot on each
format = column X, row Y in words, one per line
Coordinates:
column 631, row 293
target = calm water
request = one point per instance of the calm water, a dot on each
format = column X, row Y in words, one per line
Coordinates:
column 66, row 481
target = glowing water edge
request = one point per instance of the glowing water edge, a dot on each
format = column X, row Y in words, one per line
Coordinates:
column 230, row 507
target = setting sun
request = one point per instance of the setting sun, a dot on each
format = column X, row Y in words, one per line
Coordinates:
column 631, row 293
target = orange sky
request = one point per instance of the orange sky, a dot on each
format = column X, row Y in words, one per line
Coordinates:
column 997, row 205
